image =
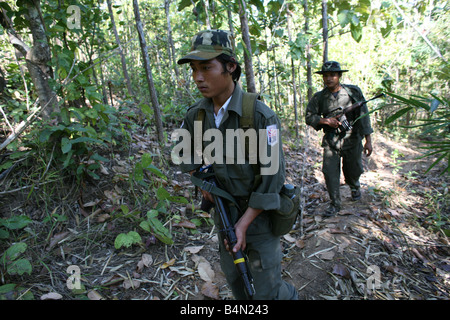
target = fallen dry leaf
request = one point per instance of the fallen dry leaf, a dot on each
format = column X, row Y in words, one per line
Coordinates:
column 341, row 270
column 289, row 238
column 300, row 243
column 103, row 217
column 185, row 224
column 57, row 238
column 205, row 271
column 94, row 295
column 134, row 284
column 193, row 249
column 210, row 290
column 337, row 231
column 113, row 196
column 51, row 296
column 329, row 255
column 145, row 261
column 169, row 263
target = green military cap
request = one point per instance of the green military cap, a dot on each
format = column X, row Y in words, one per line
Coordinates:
column 209, row 44
column 331, row 66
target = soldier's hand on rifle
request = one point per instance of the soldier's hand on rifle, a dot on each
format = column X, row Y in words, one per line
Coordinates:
column 207, row 196
column 332, row 122
column 242, row 226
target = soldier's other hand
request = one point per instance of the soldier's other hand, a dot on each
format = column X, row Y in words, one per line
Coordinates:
column 367, row 149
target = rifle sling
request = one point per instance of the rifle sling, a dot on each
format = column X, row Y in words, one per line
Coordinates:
column 199, row 179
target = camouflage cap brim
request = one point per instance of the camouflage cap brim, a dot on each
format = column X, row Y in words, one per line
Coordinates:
column 199, row 55
column 209, row 44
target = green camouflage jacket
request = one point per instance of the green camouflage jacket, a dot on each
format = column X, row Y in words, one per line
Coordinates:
column 239, row 178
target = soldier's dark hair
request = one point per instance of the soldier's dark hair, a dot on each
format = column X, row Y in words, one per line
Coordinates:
column 224, row 59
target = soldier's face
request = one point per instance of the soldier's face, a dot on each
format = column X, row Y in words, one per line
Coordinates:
column 331, row 79
column 210, row 78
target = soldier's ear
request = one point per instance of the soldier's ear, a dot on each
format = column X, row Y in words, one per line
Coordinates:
column 231, row 67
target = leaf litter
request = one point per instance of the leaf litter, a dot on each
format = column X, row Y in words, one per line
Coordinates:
column 370, row 250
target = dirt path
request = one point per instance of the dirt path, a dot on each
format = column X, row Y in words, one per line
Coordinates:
column 380, row 247
column 385, row 242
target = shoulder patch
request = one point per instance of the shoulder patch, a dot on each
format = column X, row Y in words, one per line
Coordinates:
column 272, row 135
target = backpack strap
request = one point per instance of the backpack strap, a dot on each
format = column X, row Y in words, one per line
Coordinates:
column 247, row 122
column 248, row 109
column 201, row 115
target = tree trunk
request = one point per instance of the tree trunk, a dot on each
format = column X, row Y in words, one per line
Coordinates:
column 148, row 72
column 294, row 83
column 170, row 40
column 308, row 54
column 37, row 57
column 122, row 56
column 249, row 75
column 325, row 30
column 206, row 8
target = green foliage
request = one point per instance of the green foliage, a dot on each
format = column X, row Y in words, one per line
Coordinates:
column 145, row 165
column 153, row 225
column 436, row 124
column 127, row 240
column 13, row 291
column 12, row 260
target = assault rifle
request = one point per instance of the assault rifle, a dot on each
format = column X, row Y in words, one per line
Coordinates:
column 340, row 114
column 239, row 258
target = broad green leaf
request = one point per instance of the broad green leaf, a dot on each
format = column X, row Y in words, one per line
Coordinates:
column 66, row 145
column 184, row 4
column 153, row 225
column 12, row 291
column 127, row 240
column 19, row 267
column 8, row 164
column 397, row 115
column 156, row 171
column 178, row 199
column 357, row 32
column 162, row 194
column 4, row 234
column 15, row 222
column 14, row 252
column 344, row 18
column 138, row 172
column 146, row 160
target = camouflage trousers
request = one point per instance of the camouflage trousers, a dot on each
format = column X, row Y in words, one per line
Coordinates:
column 351, row 167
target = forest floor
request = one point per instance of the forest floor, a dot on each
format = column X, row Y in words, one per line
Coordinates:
column 388, row 245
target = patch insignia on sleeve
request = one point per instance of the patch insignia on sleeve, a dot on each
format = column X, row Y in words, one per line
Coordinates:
column 272, row 134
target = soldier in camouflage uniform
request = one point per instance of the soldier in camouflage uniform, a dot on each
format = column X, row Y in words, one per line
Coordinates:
column 347, row 145
column 216, row 72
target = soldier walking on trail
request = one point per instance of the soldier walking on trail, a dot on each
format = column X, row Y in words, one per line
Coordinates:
column 215, row 71
column 336, row 145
